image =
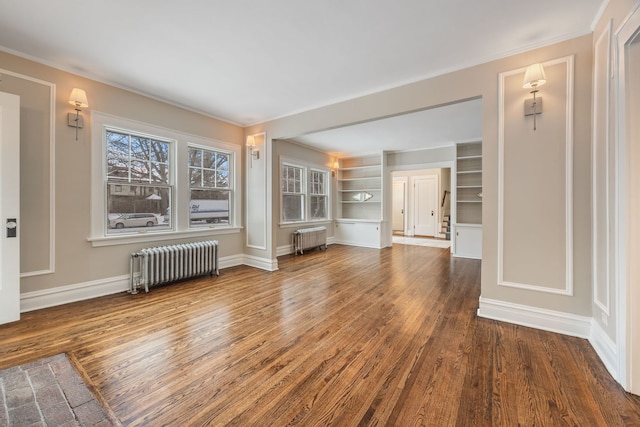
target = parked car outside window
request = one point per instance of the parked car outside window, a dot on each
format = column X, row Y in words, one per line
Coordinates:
column 134, row 220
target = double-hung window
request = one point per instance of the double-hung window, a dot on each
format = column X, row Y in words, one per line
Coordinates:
column 210, row 186
column 305, row 193
column 139, row 185
column 318, row 198
column 150, row 183
column 292, row 193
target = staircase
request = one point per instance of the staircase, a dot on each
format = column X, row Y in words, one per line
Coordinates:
column 445, row 231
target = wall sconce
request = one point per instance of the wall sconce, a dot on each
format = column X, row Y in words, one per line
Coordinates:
column 534, row 77
column 336, row 166
column 251, row 144
column 78, row 99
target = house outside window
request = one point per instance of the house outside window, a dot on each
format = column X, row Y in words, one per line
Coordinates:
column 305, row 193
column 146, row 179
column 139, row 185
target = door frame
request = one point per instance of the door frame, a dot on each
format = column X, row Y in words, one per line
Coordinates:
column 436, row 214
column 627, row 227
column 405, row 182
column 9, row 207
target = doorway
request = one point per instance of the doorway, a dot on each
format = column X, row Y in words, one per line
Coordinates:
column 9, row 207
column 419, row 203
column 399, row 197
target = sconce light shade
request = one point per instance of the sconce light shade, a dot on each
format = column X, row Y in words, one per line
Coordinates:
column 251, row 141
column 78, row 98
column 336, row 164
column 534, row 76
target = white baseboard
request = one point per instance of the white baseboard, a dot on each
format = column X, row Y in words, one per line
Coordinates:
column 261, row 263
column 534, row 317
column 36, row 300
column 605, row 348
column 288, row 249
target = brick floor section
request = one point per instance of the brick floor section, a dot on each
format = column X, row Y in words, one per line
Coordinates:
column 48, row 392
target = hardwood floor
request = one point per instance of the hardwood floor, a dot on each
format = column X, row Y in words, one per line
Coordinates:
column 345, row 337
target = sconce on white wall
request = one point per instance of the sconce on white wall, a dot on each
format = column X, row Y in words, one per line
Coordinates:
column 534, row 77
column 336, row 166
column 78, row 99
column 251, row 145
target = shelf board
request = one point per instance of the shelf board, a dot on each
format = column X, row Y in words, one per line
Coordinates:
column 349, row 202
column 479, row 156
column 352, row 168
column 359, row 179
column 474, row 171
column 469, row 186
column 360, row 190
column 469, row 201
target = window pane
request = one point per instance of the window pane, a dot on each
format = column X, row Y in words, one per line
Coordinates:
column 133, row 208
column 208, row 159
column 195, row 157
column 209, row 207
column 222, row 162
column 139, row 171
column 292, row 207
column 222, row 179
column 195, row 177
column 318, row 207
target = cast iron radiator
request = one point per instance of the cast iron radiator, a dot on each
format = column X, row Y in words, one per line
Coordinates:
column 307, row 238
column 164, row 264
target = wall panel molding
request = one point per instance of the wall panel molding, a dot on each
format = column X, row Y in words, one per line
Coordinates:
column 568, row 63
column 600, row 172
column 50, row 267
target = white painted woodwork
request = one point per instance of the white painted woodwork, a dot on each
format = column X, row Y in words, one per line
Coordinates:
column 9, row 206
column 398, row 196
column 468, row 240
column 426, row 205
column 366, row 234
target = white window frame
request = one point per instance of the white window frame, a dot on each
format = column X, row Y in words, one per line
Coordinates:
column 232, row 186
column 306, row 168
column 179, row 178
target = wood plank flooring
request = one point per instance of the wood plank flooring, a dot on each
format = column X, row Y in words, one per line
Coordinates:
column 343, row 337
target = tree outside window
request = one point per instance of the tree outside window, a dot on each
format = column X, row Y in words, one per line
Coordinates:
column 138, row 182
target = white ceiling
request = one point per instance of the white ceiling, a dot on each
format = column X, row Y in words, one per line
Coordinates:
column 435, row 127
column 249, row 61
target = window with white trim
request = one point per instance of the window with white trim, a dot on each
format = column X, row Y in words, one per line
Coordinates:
column 139, row 185
column 305, row 193
column 210, row 186
column 146, row 179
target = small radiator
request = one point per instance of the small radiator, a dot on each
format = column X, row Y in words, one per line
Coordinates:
column 164, row 264
column 307, row 238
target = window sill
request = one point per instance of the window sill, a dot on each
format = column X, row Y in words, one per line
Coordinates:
column 156, row 237
column 304, row 223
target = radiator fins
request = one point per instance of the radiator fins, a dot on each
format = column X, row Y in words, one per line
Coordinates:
column 165, row 264
column 307, row 238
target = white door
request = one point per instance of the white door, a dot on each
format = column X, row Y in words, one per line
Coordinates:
column 397, row 216
column 9, row 207
column 426, row 205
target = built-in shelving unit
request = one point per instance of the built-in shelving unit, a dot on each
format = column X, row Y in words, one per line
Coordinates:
column 360, row 188
column 469, row 183
column 467, row 226
column 360, row 213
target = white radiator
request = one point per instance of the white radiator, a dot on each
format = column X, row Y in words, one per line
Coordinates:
column 307, row 238
column 164, row 264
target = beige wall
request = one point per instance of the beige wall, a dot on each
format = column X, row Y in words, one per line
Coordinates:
column 481, row 81
column 76, row 261
column 294, row 151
